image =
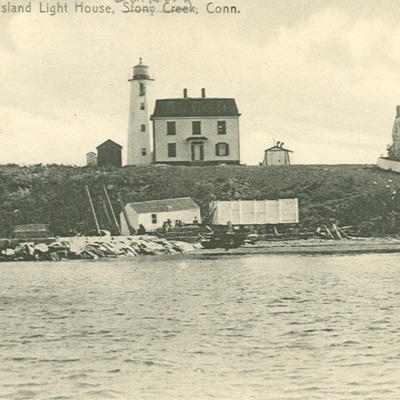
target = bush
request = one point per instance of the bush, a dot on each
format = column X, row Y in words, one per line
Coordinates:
column 361, row 196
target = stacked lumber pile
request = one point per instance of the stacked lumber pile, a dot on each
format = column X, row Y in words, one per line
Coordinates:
column 188, row 233
column 92, row 248
column 331, row 231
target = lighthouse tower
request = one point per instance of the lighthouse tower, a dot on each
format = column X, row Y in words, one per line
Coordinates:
column 139, row 151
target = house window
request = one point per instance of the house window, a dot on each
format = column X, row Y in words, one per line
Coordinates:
column 171, row 149
column 142, row 106
column 153, row 218
column 143, row 128
column 144, row 152
column 221, row 127
column 196, row 127
column 171, row 128
column 222, row 149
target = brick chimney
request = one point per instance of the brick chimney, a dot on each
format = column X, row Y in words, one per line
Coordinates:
column 203, row 93
column 185, row 93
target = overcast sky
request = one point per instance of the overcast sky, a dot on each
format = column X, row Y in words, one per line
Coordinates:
column 321, row 76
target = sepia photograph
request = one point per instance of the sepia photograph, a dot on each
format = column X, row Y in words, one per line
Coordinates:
column 199, row 199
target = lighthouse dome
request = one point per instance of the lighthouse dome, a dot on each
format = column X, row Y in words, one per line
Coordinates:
column 141, row 71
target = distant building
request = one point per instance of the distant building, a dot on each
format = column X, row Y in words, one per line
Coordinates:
column 91, row 158
column 154, row 213
column 394, row 149
column 392, row 161
column 277, row 155
column 196, row 131
column 30, row 231
column 109, row 153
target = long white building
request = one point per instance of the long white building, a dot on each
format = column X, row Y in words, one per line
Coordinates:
column 153, row 214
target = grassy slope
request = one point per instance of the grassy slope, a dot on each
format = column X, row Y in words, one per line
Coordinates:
column 351, row 194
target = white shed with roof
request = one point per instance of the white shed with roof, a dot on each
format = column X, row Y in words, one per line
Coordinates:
column 277, row 155
column 152, row 214
column 255, row 212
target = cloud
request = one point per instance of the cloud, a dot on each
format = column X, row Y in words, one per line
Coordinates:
column 324, row 90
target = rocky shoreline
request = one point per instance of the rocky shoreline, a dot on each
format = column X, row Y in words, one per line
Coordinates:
column 90, row 247
column 313, row 247
column 93, row 248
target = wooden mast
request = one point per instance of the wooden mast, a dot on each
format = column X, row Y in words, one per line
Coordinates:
column 114, row 219
column 93, row 212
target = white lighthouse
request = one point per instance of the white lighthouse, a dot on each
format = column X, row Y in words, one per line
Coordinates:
column 139, row 151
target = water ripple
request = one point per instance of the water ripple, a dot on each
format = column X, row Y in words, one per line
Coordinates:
column 257, row 327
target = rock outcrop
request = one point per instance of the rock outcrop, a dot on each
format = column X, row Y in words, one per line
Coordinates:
column 92, row 248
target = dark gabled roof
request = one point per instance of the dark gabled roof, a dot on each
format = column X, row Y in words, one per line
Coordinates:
column 195, row 107
column 109, row 142
column 154, row 206
column 279, row 148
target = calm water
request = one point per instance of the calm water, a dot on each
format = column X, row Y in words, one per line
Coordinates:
column 257, row 327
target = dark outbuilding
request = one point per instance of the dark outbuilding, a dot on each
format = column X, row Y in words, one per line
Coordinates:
column 109, row 153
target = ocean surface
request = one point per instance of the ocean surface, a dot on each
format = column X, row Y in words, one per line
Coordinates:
column 234, row 327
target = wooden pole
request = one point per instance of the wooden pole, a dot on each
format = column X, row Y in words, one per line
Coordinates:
column 103, row 203
column 117, row 228
column 93, row 212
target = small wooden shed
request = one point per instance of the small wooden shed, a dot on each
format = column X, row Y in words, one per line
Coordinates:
column 91, row 158
column 109, row 153
column 30, row 231
column 277, row 155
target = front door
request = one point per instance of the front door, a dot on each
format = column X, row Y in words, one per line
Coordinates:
column 197, row 152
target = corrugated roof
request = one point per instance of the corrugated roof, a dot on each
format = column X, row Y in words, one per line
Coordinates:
column 195, row 107
column 155, row 206
column 278, row 148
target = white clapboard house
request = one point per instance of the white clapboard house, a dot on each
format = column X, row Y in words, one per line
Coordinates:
column 154, row 213
column 196, row 131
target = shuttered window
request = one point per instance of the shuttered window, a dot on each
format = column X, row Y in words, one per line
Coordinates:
column 222, row 149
